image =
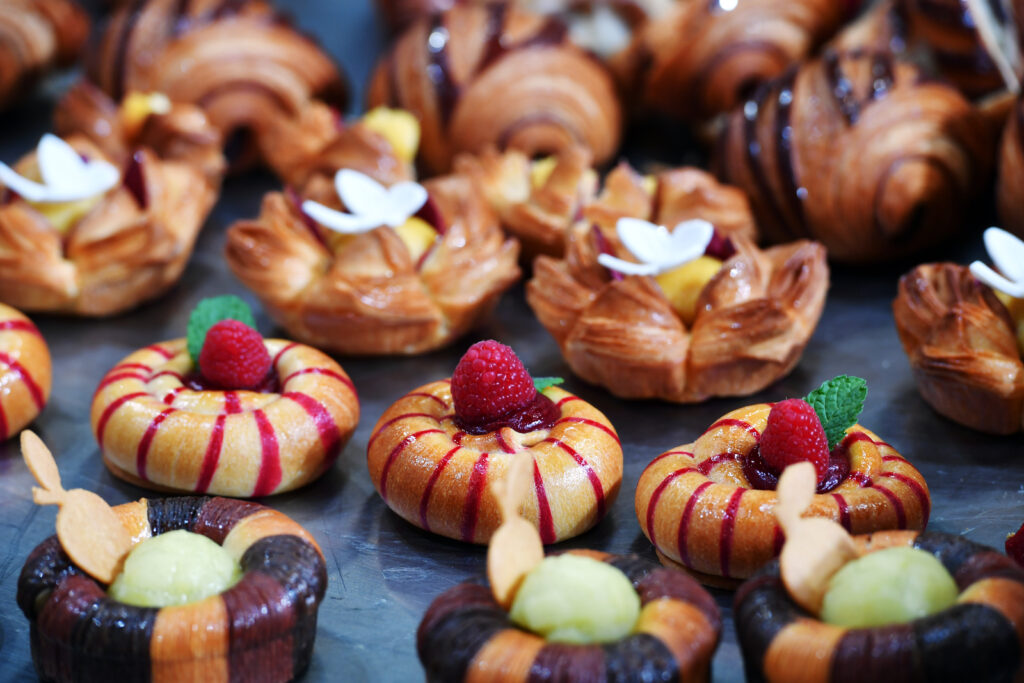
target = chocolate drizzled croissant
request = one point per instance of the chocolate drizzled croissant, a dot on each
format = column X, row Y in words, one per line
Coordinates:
column 240, row 61
column 34, row 36
column 496, row 75
column 858, row 151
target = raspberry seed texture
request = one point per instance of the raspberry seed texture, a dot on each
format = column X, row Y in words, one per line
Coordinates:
column 234, row 356
column 794, row 434
column 490, row 383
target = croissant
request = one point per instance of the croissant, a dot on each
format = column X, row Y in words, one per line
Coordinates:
column 860, row 152
column 369, row 293
column 753, row 317
column 961, row 344
column 242, row 62
column 36, row 35
column 496, row 75
column 1011, row 172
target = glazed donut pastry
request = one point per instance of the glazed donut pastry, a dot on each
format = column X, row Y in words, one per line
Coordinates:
column 707, row 506
column 728, row 323
column 465, row 632
column 260, row 629
column 857, row 150
column 97, row 237
column 35, row 36
column 497, row 75
column 25, row 371
column 241, row 62
column 435, row 452
column 964, row 345
column 977, row 638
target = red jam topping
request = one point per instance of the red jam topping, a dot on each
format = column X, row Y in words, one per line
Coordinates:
column 540, row 413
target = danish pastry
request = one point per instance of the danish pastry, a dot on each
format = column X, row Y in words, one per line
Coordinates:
column 36, row 35
column 1011, row 171
column 26, row 371
column 497, row 75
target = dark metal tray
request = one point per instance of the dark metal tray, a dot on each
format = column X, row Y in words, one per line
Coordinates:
column 384, row 572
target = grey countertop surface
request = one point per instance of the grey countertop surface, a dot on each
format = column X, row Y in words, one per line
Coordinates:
column 384, row 572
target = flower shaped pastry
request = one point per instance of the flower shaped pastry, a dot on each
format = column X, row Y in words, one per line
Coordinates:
column 657, row 249
column 1007, row 252
column 66, row 176
column 372, row 204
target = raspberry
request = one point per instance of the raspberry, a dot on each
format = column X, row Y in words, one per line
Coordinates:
column 794, row 434
column 233, row 356
column 490, row 383
column 1015, row 546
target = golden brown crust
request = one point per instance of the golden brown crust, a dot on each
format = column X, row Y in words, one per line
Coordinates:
column 961, row 344
column 503, row 77
column 437, row 477
column 698, row 509
column 1011, row 172
column 25, row 370
column 36, row 35
column 368, row 296
column 156, row 432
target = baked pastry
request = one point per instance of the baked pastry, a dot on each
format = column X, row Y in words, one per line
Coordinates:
column 26, row 372
column 433, row 454
column 707, row 506
column 261, row 629
column 96, row 238
column 964, row 346
column 1011, row 171
column 976, row 639
column 860, row 152
column 497, row 75
column 242, row 62
column 166, row 421
column 729, row 323
column 35, row 36
column 391, row 285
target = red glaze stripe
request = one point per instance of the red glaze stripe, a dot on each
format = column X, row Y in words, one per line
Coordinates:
column 591, row 423
column 131, row 366
column 546, row 522
column 778, row 540
column 117, row 377
column 565, row 400
column 922, row 495
column 142, row 453
column 656, row 496
column 500, row 438
column 471, row 513
column 101, row 425
column 405, row 416
column 19, row 326
column 270, row 463
column 665, row 455
column 897, row 504
column 706, row 466
column 728, row 526
column 882, row 444
column 684, row 522
column 844, row 511
column 457, row 437
column 862, row 479
column 283, row 351
column 595, row 481
column 434, row 476
column 732, row 422
column 173, row 394
column 232, row 404
column 395, row 452
column 424, row 394
column 169, row 373
column 4, row 427
column 212, row 455
column 326, row 372
column 156, row 348
column 892, row 458
column 26, row 377
column 330, row 435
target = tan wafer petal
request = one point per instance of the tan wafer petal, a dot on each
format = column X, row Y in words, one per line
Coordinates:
column 515, row 547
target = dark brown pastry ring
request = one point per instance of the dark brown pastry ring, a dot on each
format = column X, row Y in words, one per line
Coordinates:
column 261, row 629
column 980, row 638
column 466, row 635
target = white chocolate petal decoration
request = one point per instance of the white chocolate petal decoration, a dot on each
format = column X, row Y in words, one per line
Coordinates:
column 371, row 204
column 1007, row 252
column 361, row 194
column 338, row 221
column 657, row 249
column 404, row 200
column 66, row 176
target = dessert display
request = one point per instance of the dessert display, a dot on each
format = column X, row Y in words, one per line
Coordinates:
column 963, row 331
column 707, row 505
column 858, row 151
column 434, row 452
column 224, row 411
column 91, row 234
column 243, row 63
column 700, row 312
column 480, row 76
column 402, row 269
column 25, row 372
column 580, row 616
column 256, row 622
column 898, row 605
column 37, row 35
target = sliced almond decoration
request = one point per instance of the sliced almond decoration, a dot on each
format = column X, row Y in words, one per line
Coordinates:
column 816, row 548
column 89, row 530
column 515, row 547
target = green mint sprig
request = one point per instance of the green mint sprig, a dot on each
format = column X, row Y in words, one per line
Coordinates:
column 542, row 383
column 838, row 403
column 208, row 313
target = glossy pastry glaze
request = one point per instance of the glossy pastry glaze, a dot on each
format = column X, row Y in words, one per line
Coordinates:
column 25, row 372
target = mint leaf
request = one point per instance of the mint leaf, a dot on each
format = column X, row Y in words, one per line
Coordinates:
column 208, row 313
column 542, row 383
column 838, row 403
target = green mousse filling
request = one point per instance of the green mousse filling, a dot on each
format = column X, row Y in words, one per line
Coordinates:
column 174, row 568
column 574, row 599
column 891, row 586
